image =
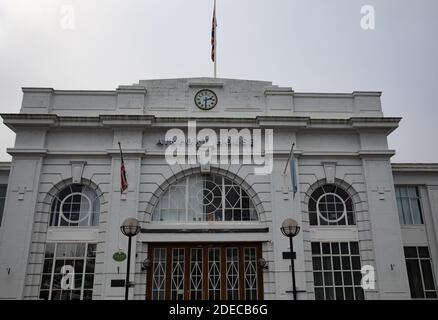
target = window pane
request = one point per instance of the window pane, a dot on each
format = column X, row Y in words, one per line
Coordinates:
column 427, row 275
column 346, row 263
column 50, row 250
column 416, row 211
column 348, row 281
column 431, row 295
column 45, row 281
column 316, row 248
column 415, row 282
column 316, row 263
column 317, row 278
column 328, row 279
column 329, row 294
column 344, row 247
column 313, row 219
column 410, row 252
column 338, row 278
column 423, row 252
column 327, row 263
column 339, row 293
column 319, row 294
column 44, row 294
column 412, row 191
column 354, row 247
column 335, row 248
column 336, row 263
column 349, row 293
column 359, row 293
column 357, row 277
column 400, row 211
column 47, row 267
column 406, row 210
column 355, row 261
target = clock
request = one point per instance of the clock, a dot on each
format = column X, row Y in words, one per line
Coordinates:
column 205, row 99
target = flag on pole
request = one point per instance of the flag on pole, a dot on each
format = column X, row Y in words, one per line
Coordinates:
column 213, row 34
column 123, row 180
column 293, row 174
column 293, row 170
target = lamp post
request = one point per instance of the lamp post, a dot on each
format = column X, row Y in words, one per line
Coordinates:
column 290, row 229
column 129, row 228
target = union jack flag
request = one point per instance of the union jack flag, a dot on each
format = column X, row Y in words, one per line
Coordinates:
column 123, row 179
column 213, row 34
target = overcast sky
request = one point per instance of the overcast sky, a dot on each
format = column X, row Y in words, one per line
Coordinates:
column 309, row 45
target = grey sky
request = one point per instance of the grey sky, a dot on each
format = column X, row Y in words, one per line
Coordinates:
column 310, row 45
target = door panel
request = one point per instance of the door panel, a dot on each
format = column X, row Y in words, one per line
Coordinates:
column 206, row 271
column 178, row 266
column 214, row 274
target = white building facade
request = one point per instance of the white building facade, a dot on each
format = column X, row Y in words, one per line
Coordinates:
column 212, row 231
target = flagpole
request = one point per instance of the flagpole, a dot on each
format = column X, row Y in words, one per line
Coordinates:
column 288, row 159
column 120, row 149
column 215, row 42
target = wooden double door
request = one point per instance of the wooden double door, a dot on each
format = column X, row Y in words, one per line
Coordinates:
column 204, row 271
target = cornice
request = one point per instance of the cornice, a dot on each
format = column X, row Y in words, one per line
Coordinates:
column 414, row 167
column 46, row 121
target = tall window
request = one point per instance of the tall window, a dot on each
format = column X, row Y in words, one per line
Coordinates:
column 205, row 198
column 420, row 274
column 336, row 271
column 2, row 200
column 409, row 207
column 75, row 206
column 331, row 205
column 78, row 256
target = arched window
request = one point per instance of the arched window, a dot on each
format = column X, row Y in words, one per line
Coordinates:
column 331, row 205
column 75, row 206
column 204, row 198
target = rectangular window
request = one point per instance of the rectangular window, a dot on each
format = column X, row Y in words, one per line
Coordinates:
column 420, row 274
column 409, row 206
column 336, row 271
column 59, row 260
column 3, row 189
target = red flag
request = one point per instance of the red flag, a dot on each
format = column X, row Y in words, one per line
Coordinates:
column 123, row 180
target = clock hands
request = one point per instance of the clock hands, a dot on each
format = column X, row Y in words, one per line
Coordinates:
column 205, row 101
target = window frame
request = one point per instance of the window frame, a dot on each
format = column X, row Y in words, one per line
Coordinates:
column 318, row 216
column 334, row 271
column 58, row 216
column 226, row 186
column 399, row 197
column 418, row 261
column 84, row 258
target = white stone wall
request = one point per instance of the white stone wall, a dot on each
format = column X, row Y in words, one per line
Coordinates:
column 59, row 130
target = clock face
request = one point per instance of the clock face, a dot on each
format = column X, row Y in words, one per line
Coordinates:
column 205, row 99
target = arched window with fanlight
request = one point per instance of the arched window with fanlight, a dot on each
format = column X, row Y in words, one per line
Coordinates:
column 208, row 197
column 75, row 206
column 331, row 205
